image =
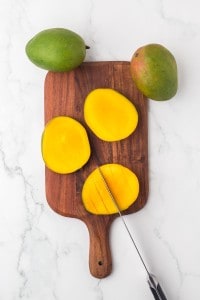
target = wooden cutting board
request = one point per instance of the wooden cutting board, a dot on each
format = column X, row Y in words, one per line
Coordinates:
column 64, row 95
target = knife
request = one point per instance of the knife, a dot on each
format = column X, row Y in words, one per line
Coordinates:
column 153, row 283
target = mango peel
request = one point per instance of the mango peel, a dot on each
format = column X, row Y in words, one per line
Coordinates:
column 56, row 49
column 154, row 71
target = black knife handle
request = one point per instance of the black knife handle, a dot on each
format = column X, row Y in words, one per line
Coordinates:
column 156, row 289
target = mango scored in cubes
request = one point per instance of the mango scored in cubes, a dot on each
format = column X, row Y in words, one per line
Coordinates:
column 65, row 145
column 122, row 183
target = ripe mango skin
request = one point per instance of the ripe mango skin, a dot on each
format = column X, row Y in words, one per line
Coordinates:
column 56, row 49
column 154, row 71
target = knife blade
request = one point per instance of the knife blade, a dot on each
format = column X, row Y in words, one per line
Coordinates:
column 153, row 283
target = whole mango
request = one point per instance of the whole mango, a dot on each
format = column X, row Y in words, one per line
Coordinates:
column 56, row 49
column 154, row 71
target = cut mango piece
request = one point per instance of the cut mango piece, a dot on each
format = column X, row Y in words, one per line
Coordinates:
column 122, row 183
column 110, row 115
column 65, row 145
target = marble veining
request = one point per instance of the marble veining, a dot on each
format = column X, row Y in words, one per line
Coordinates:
column 45, row 256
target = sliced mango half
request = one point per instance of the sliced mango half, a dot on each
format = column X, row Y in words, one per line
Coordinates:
column 122, row 183
column 110, row 115
column 65, row 145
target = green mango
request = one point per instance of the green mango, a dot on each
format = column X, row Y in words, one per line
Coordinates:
column 154, row 71
column 56, row 49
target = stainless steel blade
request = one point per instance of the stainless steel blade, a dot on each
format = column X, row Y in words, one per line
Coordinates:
column 122, row 218
column 152, row 280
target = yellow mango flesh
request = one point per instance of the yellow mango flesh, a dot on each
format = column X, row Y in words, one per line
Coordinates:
column 65, row 145
column 110, row 115
column 122, row 183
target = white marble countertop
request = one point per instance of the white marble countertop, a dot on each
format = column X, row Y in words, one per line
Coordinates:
column 44, row 256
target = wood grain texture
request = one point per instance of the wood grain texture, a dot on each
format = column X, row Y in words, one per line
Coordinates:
column 65, row 94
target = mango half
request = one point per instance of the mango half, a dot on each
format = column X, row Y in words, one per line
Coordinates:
column 65, row 145
column 109, row 114
column 154, row 71
column 122, row 183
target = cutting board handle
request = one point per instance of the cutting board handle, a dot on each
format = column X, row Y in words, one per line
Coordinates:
column 100, row 262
